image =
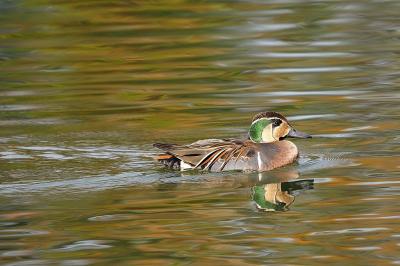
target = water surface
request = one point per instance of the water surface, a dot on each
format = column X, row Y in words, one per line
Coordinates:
column 87, row 87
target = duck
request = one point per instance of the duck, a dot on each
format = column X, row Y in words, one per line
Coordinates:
column 278, row 196
column 265, row 148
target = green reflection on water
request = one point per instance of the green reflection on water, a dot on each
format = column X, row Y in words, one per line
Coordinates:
column 86, row 87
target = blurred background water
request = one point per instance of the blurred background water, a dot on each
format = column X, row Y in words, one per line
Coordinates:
column 87, row 86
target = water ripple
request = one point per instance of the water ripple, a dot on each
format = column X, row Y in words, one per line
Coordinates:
column 307, row 117
column 38, row 121
column 280, row 43
column 112, row 217
column 254, row 27
column 299, row 93
column 17, row 253
column 395, row 217
column 79, row 184
column 10, row 155
column 365, row 248
column 375, row 183
column 307, row 70
column 304, row 55
column 86, row 245
column 18, row 107
column 35, row 262
column 15, row 233
column 349, row 231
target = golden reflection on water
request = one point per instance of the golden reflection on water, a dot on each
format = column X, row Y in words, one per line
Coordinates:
column 86, row 87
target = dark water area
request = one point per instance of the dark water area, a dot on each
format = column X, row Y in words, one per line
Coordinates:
column 86, row 87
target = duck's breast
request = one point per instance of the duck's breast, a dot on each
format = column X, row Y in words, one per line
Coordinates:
column 277, row 154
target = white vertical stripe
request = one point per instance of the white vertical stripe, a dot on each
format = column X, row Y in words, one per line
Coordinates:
column 259, row 162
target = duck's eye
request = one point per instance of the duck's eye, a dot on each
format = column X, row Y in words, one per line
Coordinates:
column 276, row 122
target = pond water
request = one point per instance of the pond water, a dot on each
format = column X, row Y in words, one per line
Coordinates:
column 86, row 87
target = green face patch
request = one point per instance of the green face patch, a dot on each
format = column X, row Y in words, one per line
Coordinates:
column 258, row 196
column 256, row 129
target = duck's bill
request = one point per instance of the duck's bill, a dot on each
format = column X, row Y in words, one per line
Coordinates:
column 298, row 134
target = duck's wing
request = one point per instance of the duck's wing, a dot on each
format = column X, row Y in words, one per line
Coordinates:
column 204, row 154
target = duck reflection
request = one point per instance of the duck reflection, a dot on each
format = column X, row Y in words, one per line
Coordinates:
column 274, row 193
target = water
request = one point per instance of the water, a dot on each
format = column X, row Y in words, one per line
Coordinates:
column 87, row 87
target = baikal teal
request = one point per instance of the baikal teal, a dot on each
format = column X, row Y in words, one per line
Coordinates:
column 265, row 149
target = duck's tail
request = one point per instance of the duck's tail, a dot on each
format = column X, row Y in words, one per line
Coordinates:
column 168, row 160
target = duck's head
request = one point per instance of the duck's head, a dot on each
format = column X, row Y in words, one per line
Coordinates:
column 269, row 127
